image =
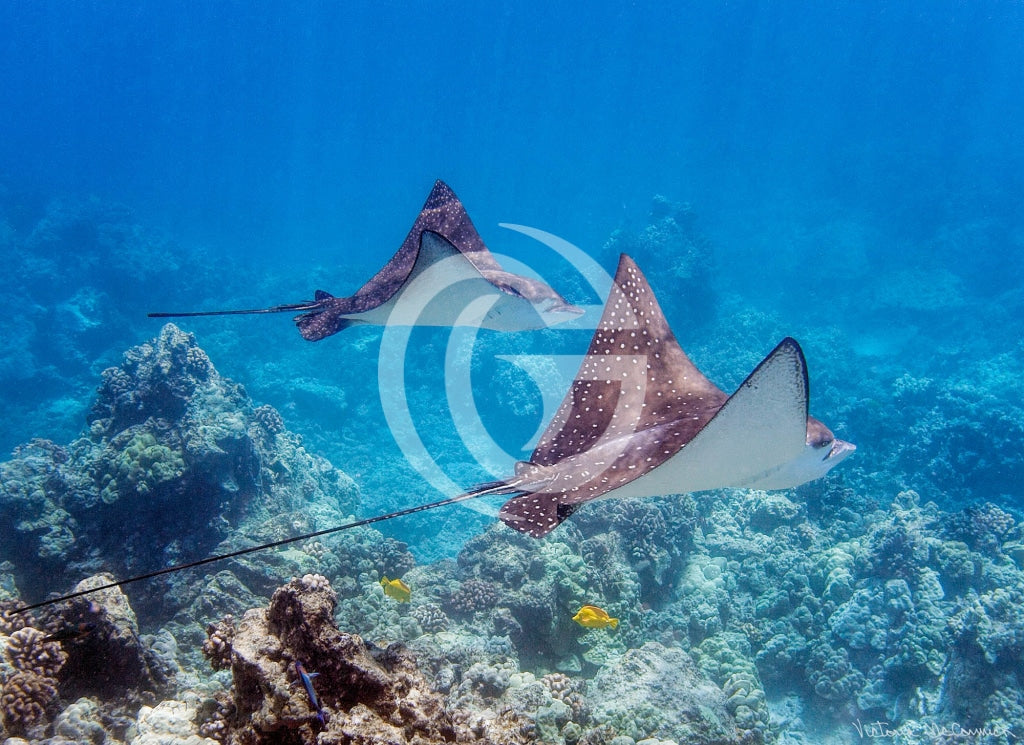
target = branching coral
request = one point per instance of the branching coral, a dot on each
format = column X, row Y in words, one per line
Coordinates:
column 30, row 690
column 10, row 621
column 217, row 647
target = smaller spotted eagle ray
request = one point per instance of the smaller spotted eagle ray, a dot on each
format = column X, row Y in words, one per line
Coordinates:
column 639, row 420
column 444, row 259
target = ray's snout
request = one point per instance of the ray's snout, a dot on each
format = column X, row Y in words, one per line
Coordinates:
column 840, row 449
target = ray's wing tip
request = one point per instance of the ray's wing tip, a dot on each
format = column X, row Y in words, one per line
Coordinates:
column 521, row 524
column 440, row 194
column 790, row 343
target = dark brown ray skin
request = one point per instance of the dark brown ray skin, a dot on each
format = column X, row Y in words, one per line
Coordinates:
column 600, row 426
column 444, row 215
column 631, row 433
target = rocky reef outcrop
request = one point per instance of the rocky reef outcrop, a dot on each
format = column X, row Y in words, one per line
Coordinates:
column 364, row 693
column 176, row 462
column 58, row 666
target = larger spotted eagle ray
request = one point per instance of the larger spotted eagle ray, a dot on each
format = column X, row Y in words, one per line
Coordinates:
column 641, row 420
column 442, row 257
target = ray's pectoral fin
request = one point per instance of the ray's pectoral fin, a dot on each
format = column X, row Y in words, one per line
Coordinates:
column 760, row 428
column 536, row 514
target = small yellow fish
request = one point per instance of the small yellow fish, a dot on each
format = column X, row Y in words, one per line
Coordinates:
column 396, row 588
column 592, row 617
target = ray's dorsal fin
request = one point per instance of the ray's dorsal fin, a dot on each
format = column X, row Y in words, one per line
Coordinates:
column 443, row 214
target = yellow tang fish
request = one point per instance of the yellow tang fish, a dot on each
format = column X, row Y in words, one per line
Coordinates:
column 592, row 617
column 396, row 588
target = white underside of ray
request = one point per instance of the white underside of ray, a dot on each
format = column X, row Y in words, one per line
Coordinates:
column 749, row 443
column 442, row 286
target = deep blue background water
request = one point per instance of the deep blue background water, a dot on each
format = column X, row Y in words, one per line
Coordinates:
column 271, row 126
column 858, row 168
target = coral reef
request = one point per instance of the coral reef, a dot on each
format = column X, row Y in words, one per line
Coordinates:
column 170, row 722
column 173, row 449
column 655, row 691
column 368, row 694
column 745, row 616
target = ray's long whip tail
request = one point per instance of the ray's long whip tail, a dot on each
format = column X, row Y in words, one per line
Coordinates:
column 483, row 490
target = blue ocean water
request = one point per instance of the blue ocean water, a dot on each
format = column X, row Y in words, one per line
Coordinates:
column 848, row 173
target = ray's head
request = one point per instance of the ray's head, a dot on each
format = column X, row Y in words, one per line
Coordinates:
column 824, row 451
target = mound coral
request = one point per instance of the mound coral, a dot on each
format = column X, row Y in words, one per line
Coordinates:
column 655, row 691
column 28, row 688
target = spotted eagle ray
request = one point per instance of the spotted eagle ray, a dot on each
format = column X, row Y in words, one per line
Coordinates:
column 639, row 420
column 442, row 257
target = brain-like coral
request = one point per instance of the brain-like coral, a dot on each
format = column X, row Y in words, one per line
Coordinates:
column 25, row 698
column 27, row 651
